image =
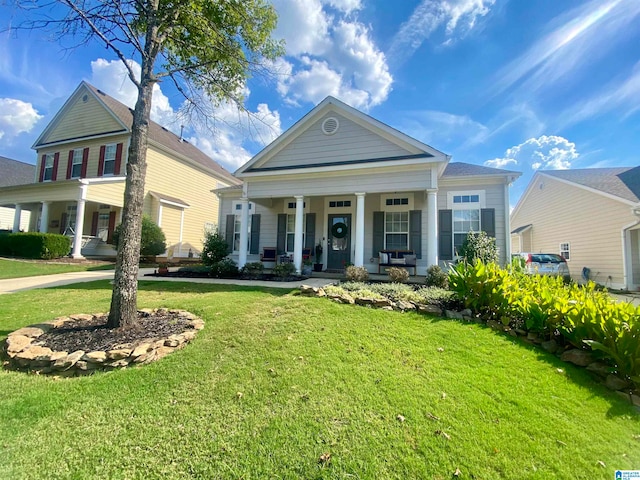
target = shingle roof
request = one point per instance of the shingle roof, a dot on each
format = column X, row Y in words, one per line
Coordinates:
column 459, row 169
column 623, row 182
column 163, row 136
column 13, row 172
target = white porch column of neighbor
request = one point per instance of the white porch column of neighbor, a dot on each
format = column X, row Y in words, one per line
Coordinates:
column 16, row 218
column 297, row 243
column 44, row 217
column 77, row 237
column 244, row 231
column 358, row 261
column 432, row 227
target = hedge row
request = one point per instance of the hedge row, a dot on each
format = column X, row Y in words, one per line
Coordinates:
column 34, row 245
column 584, row 315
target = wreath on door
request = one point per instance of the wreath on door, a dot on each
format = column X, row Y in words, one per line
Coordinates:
column 339, row 230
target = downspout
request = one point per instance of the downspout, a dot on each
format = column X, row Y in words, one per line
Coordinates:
column 626, row 248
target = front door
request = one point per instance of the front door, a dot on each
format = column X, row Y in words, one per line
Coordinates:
column 339, row 244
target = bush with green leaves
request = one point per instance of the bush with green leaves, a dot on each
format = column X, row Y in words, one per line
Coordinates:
column 479, row 246
column 152, row 239
column 398, row 275
column 252, row 270
column 436, row 277
column 225, row 268
column 215, row 248
column 356, row 274
column 284, row 270
column 584, row 315
column 44, row 246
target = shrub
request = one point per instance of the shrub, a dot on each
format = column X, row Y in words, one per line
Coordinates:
column 225, row 268
column 480, row 246
column 35, row 245
column 252, row 270
column 152, row 239
column 215, row 248
column 436, row 277
column 356, row 274
column 284, row 270
column 398, row 275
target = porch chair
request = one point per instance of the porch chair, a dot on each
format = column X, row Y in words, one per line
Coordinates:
column 268, row 254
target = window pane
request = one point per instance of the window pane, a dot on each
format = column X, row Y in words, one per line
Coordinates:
column 397, row 241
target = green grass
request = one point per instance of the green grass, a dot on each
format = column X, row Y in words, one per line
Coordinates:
column 19, row 268
column 315, row 377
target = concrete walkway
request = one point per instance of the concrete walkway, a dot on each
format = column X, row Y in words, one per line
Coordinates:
column 12, row 285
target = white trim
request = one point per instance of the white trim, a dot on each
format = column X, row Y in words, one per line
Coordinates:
column 396, row 208
column 173, row 204
column 627, row 258
column 109, row 179
column 481, row 203
column 507, row 226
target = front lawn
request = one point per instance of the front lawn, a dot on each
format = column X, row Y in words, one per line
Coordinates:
column 32, row 268
column 276, row 380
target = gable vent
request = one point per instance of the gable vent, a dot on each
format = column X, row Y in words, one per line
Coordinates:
column 330, row 126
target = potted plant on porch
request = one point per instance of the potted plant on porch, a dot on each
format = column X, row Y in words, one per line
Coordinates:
column 317, row 267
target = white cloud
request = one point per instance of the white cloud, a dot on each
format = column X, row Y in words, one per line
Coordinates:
column 447, row 129
column 224, row 135
column 583, row 34
column 16, row 117
column 548, row 152
column 329, row 53
column 458, row 17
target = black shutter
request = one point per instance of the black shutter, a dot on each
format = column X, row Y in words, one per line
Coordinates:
column 310, row 232
column 228, row 235
column 488, row 221
column 415, row 232
column 445, row 235
column 254, row 243
column 378, row 233
column 281, row 239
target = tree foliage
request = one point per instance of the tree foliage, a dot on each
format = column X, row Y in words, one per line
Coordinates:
column 207, row 49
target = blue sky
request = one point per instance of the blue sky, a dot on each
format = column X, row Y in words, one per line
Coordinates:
column 513, row 84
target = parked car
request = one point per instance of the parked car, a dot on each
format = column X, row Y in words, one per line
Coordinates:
column 545, row 264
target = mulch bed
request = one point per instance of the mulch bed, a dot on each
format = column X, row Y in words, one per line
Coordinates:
column 93, row 334
column 268, row 277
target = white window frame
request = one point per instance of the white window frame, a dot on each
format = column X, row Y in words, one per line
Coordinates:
column 49, row 160
column 565, row 252
column 397, row 208
column 237, row 208
column 393, row 231
column 110, row 151
column 461, row 201
column 76, row 162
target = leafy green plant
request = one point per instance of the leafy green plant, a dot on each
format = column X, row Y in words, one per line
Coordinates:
column 356, row 274
column 225, row 268
column 152, row 239
column 398, row 275
column 215, row 247
column 252, row 270
column 436, row 277
column 43, row 246
column 284, row 270
column 479, row 246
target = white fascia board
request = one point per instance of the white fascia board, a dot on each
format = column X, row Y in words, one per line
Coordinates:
column 90, row 181
column 174, row 204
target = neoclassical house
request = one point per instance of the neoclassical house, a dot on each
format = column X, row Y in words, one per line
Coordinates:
column 348, row 182
column 78, row 189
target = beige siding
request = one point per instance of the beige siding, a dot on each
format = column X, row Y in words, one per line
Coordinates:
column 7, row 215
column 94, row 155
column 171, row 227
column 635, row 256
column 591, row 223
column 82, row 119
column 108, row 193
column 350, row 142
column 189, row 184
column 401, row 179
column 36, row 194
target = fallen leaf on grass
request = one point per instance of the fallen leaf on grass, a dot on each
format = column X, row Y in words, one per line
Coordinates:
column 431, row 416
column 457, row 473
column 560, row 442
column 444, row 395
column 239, row 395
column 400, row 418
column 325, row 458
column 440, row 349
column 602, row 464
column 443, row 434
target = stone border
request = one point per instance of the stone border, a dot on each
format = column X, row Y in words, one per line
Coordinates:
column 24, row 353
column 581, row 358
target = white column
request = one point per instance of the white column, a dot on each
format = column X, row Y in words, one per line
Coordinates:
column 507, row 225
column 244, row 231
column 77, row 238
column 358, row 261
column 297, row 242
column 432, row 227
column 44, row 217
column 16, row 218
column 159, row 214
column 181, row 231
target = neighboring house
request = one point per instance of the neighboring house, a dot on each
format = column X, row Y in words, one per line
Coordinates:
column 590, row 216
column 357, row 186
column 80, row 178
column 13, row 172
